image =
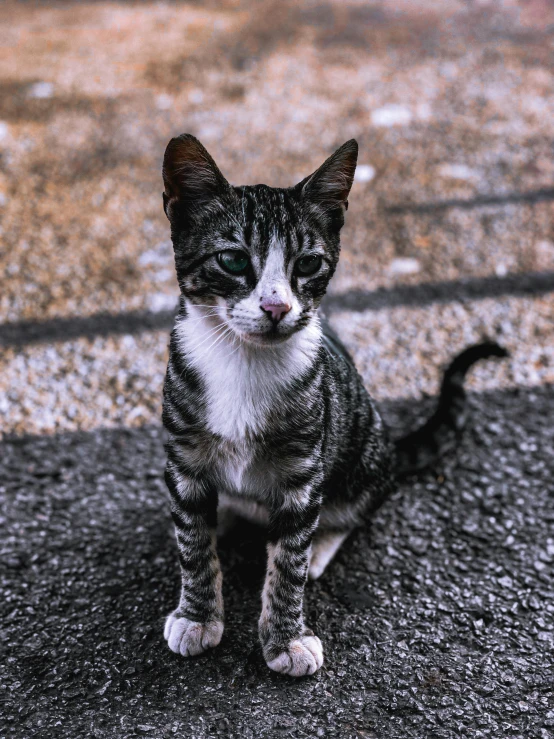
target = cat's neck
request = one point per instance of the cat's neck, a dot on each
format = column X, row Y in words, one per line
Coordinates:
column 243, row 382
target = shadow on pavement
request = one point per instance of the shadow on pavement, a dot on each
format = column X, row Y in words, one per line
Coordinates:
column 436, row 622
column 530, row 284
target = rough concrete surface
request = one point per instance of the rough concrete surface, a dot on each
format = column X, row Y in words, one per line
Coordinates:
column 438, row 621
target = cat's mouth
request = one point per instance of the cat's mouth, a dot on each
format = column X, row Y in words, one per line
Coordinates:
column 259, row 335
column 265, row 338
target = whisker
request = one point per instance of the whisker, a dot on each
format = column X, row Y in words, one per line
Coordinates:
column 201, row 318
column 205, row 337
column 233, row 351
column 208, row 336
column 219, row 339
column 202, row 305
column 190, row 347
column 203, row 313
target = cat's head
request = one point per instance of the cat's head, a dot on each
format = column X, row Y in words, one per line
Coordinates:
column 258, row 259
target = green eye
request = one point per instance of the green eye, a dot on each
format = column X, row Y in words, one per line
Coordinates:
column 233, row 261
column 308, row 265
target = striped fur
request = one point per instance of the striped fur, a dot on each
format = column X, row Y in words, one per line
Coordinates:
column 267, row 417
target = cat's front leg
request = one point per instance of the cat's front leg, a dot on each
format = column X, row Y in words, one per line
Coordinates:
column 197, row 622
column 288, row 645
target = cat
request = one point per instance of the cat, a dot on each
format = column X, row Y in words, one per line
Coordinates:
column 265, row 412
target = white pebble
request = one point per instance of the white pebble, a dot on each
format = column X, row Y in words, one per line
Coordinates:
column 161, row 254
column 164, row 102
column 501, row 269
column 449, row 70
column 391, row 115
column 128, row 342
column 424, row 111
column 404, row 266
column 546, row 248
column 196, row 96
column 163, row 274
column 364, row 173
column 4, row 130
column 457, row 172
column 211, row 131
column 161, row 301
column 41, row 90
column 151, row 257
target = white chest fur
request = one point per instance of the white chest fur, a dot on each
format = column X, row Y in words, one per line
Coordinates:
column 243, row 382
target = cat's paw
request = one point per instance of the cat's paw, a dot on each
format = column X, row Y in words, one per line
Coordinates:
column 303, row 656
column 191, row 638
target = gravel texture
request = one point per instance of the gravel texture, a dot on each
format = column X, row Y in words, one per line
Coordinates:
column 437, row 622
column 400, row 352
column 451, row 103
column 449, row 100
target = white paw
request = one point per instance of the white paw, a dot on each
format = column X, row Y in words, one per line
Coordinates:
column 303, row 657
column 191, row 638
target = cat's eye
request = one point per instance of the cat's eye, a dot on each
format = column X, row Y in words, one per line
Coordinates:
column 308, row 265
column 233, row 261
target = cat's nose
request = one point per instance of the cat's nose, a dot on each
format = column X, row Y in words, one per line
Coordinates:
column 276, row 311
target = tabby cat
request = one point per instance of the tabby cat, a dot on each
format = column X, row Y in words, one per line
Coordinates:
column 265, row 412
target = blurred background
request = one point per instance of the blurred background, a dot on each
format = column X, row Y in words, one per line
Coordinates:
column 450, row 231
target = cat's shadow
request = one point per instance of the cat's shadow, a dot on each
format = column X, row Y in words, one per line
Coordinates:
column 242, row 553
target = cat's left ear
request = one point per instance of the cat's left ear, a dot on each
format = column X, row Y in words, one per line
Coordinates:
column 329, row 186
column 191, row 177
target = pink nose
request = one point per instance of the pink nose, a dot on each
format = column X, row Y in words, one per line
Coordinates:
column 276, row 311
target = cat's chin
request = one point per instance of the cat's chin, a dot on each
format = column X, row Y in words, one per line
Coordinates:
column 266, row 340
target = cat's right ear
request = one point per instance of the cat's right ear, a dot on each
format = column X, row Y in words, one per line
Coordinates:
column 329, row 186
column 191, row 177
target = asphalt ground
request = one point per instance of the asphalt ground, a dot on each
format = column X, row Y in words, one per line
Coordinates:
column 437, row 621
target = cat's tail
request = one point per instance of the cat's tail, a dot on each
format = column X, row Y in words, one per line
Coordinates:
column 422, row 447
